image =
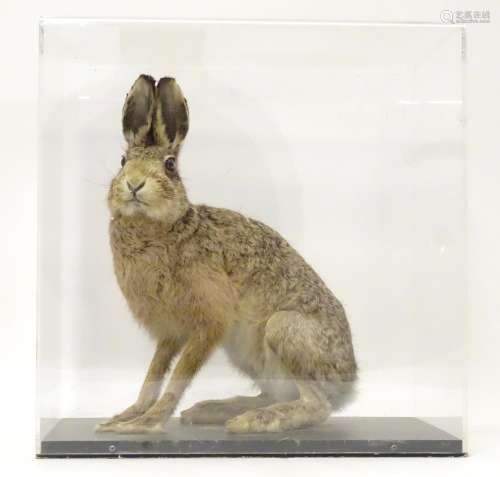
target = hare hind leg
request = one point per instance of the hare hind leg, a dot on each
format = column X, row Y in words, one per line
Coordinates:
column 295, row 345
column 218, row 411
column 311, row 408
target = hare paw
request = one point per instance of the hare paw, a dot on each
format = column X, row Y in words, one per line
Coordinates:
column 208, row 412
column 132, row 412
column 140, row 425
column 106, row 426
column 256, row 420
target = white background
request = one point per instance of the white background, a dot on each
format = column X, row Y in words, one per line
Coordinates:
column 18, row 125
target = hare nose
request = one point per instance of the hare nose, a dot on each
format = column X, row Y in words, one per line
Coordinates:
column 135, row 189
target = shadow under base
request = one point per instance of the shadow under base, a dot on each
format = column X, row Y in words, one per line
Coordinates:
column 338, row 436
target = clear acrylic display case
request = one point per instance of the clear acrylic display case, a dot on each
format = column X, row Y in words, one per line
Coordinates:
column 348, row 139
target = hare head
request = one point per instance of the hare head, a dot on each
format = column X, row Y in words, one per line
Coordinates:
column 155, row 122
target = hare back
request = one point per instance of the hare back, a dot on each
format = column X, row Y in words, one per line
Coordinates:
column 267, row 272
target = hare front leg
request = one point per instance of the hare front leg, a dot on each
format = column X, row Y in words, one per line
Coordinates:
column 165, row 351
column 197, row 350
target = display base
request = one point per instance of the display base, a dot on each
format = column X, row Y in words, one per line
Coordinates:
column 339, row 436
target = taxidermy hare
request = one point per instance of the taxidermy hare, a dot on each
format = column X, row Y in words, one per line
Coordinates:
column 198, row 277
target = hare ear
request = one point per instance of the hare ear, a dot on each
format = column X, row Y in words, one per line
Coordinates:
column 171, row 122
column 138, row 110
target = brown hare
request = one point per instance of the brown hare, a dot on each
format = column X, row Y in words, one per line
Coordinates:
column 199, row 277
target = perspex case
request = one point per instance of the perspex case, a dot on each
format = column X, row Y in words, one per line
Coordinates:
column 346, row 138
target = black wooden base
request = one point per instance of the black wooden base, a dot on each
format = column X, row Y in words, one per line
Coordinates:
column 338, row 436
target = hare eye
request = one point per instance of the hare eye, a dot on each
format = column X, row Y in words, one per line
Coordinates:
column 123, row 161
column 169, row 164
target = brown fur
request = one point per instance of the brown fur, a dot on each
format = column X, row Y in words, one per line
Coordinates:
column 198, row 277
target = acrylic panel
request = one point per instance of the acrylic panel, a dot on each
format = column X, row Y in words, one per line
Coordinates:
column 345, row 138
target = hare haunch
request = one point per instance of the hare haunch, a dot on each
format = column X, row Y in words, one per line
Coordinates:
column 198, row 277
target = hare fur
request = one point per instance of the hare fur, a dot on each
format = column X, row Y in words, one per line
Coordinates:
column 199, row 277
